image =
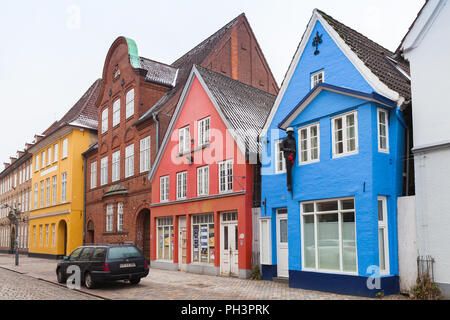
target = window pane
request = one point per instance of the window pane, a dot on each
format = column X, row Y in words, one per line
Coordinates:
column 328, row 238
column 348, row 204
column 382, row 248
column 349, row 242
column 309, row 242
column 283, row 231
column 327, row 206
column 307, row 208
column 380, row 210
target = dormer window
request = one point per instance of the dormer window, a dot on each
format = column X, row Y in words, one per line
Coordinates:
column 317, row 78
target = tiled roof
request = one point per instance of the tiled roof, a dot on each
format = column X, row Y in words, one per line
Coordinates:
column 245, row 107
column 375, row 57
column 159, row 73
column 83, row 113
column 184, row 65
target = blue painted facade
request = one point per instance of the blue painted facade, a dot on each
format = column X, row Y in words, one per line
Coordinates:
column 363, row 176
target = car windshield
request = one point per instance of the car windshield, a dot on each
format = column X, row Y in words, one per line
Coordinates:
column 123, row 253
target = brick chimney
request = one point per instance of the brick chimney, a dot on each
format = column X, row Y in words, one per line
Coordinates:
column 38, row 138
column 28, row 145
column 12, row 159
column 20, row 153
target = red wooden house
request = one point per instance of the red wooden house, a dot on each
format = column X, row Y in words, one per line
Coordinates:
column 203, row 177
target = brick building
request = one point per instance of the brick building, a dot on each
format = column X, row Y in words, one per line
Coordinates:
column 15, row 192
column 137, row 99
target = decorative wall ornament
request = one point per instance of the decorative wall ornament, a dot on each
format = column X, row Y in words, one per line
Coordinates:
column 316, row 42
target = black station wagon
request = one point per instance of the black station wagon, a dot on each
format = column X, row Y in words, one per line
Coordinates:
column 102, row 263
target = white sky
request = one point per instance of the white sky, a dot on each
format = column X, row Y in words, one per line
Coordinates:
column 52, row 51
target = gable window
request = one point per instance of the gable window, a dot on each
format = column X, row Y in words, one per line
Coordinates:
column 226, row 176
column 203, row 181
column 317, row 78
column 130, row 103
column 184, row 140
column 129, row 161
column 93, row 175
column 116, row 112
column 144, row 154
column 109, row 217
column 345, row 135
column 104, row 171
column 280, row 163
column 64, row 148
column 104, row 120
column 181, row 185
column 115, row 166
column 309, row 144
column 203, row 132
column 383, row 130
column 164, row 189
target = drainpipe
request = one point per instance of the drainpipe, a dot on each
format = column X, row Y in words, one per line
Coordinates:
column 155, row 118
column 84, row 199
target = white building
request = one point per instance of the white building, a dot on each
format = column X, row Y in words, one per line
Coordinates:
column 427, row 47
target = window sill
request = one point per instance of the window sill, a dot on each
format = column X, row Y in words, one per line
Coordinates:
column 301, row 164
column 115, row 233
column 338, row 156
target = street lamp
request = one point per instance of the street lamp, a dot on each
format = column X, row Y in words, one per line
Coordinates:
column 14, row 218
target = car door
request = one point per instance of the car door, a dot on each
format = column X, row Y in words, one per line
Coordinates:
column 84, row 261
column 98, row 259
column 73, row 259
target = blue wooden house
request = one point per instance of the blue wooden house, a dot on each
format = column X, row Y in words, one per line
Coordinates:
column 337, row 230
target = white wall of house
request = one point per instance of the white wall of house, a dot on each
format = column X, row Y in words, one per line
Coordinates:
column 407, row 243
column 427, row 47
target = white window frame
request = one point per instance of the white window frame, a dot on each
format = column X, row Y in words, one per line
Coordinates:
column 144, row 155
column 130, row 103
column 384, row 225
column 54, row 191
column 279, row 158
column 49, row 155
column 105, row 120
column 115, row 166
column 55, row 153
column 184, row 140
column 47, row 194
column 129, row 161
column 104, row 171
column 65, row 145
column 308, row 144
column 94, row 175
column 265, row 226
column 43, row 160
column 64, row 187
column 228, row 177
column 181, row 185
column 164, row 189
column 116, row 113
column 162, row 224
column 109, row 217
column 379, row 136
column 204, row 134
column 344, row 135
column 339, row 211
column 120, row 216
column 315, row 78
column 203, row 181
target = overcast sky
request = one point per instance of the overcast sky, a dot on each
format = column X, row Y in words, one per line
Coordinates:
column 52, row 51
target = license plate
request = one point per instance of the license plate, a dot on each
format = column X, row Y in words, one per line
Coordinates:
column 128, row 265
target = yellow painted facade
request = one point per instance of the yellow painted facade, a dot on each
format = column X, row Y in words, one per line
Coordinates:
column 56, row 220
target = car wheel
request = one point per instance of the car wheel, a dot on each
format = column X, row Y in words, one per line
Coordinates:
column 135, row 280
column 60, row 276
column 88, row 281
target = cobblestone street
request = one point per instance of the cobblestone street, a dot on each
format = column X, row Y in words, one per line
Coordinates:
column 159, row 285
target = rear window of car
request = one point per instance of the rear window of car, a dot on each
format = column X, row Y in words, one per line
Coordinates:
column 124, row 253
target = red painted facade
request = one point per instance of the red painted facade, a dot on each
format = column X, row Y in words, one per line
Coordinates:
column 197, row 106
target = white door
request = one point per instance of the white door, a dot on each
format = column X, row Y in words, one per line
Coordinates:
column 229, row 253
column 282, row 244
column 182, row 244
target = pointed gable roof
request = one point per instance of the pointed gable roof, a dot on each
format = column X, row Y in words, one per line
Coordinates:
column 243, row 109
column 381, row 68
column 197, row 55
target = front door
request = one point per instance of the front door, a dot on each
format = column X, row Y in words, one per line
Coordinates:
column 229, row 244
column 282, row 244
column 182, row 244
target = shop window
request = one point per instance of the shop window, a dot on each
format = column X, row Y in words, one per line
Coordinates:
column 203, row 238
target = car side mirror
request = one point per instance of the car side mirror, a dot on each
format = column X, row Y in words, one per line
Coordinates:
column 65, row 258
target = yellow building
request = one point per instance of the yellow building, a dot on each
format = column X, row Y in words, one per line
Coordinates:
column 57, row 216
